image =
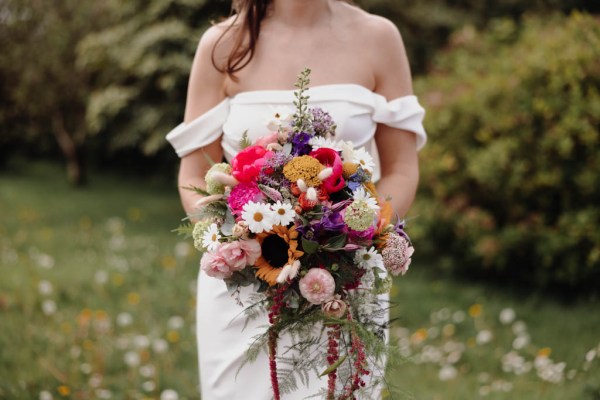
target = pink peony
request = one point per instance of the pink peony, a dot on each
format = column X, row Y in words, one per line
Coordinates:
column 330, row 158
column 396, row 254
column 317, row 286
column 240, row 253
column 215, row 265
column 246, row 165
column 242, row 194
column 264, row 141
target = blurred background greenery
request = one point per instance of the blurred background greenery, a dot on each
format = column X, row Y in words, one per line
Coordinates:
column 94, row 287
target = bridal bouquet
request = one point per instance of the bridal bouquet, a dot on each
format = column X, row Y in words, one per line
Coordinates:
column 297, row 215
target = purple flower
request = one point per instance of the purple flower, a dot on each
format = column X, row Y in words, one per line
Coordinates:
column 332, row 221
column 300, row 146
column 322, row 122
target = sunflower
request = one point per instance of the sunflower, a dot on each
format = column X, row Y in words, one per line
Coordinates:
column 279, row 247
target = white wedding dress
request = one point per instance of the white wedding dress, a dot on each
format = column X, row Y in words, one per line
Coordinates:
column 222, row 338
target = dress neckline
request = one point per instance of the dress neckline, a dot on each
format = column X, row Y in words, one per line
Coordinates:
column 248, row 94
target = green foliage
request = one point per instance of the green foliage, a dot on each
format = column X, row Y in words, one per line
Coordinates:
column 427, row 25
column 510, row 176
column 141, row 65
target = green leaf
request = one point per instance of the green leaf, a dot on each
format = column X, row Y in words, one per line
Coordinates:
column 333, row 366
column 244, row 141
column 309, row 247
column 337, row 242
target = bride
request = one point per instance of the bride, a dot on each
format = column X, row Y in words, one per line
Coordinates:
column 242, row 77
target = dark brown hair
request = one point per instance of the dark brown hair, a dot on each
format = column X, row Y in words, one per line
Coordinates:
column 251, row 13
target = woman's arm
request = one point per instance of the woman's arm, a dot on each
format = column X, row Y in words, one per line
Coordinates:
column 397, row 148
column 205, row 90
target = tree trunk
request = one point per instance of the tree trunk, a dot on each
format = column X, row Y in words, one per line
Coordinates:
column 68, row 146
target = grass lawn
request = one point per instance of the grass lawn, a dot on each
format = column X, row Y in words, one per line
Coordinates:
column 97, row 301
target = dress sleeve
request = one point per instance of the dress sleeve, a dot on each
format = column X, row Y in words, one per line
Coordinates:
column 200, row 132
column 403, row 113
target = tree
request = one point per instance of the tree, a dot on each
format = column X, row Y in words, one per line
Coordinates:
column 43, row 91
column 141, row 65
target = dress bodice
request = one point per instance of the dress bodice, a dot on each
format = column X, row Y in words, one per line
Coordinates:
column 355, row 109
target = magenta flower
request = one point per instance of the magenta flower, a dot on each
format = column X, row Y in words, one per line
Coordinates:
column 246, row 165
column 242, row 194
column 317, row 286
column 240, row 253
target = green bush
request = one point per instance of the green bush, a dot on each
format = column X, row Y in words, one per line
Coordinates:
column 511, row 175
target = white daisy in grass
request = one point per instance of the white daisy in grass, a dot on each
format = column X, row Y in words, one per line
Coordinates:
column 283, row 213
column 361, row 195
column 368, row 259
column 318, row 142
column 258, row 217
column 363, row 158
column 210, row 238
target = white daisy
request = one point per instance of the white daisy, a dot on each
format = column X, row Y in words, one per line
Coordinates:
column 318, row 142
column 210, row 238
column 363, row 158
column 281, row 118
column 360, row 194
column 368, row 259
column 347, row 151
column 283, row 213
column 258, row 217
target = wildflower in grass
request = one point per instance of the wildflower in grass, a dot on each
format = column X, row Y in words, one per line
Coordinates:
column 173, row 336
column 49, row 307
column 101, row 277
column 182, row 250
column 175, row 322
column 133, row 298
column 368, row 259
column 63, row 390
column 160, row 346
column 447, row 373
column 507, row 316
column 45, row 395
column 475, row 310
column 458, row 316
column 210, row 237
column 317, row 286
column 85, row 368
column 131, row 359
column 45, row 288
column 258, row 216
column 149, row 386
column 148, row 370
column 484, row 337
column 124, row 319
column 169, row 394
column 141, row 341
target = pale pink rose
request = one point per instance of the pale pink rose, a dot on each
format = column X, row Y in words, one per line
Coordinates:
column 215, row 265
column 335, row 307
column 264, row 141
column 317, row 286
column 239, row 254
